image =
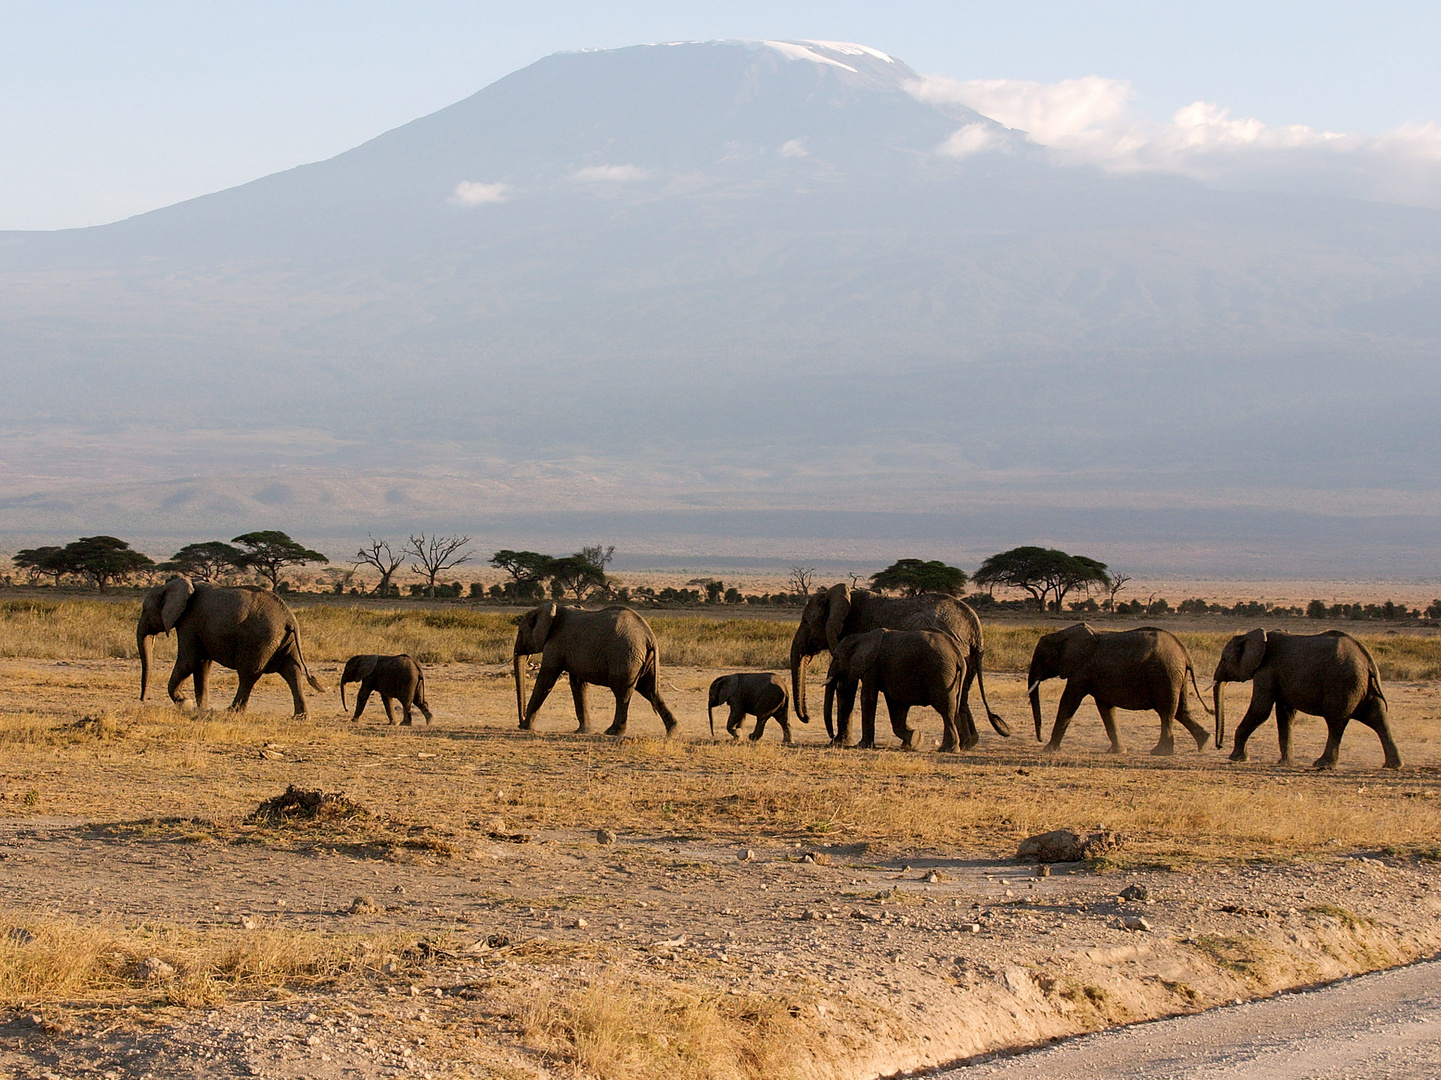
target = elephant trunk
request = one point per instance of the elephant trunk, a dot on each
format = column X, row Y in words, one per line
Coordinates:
column 518, row 662
column 1220, row 702
column 343, row 705
column 142, row 646
column 830, row 707
column 1035, row 696
column 710, row 713
column 800, row 661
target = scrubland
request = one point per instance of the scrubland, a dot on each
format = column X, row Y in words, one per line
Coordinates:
column 609, row 968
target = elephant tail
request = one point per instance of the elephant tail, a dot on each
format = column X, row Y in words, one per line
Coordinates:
column 1002, row 728
column 1191, row 671
column 293, row 633
column 1373, row 674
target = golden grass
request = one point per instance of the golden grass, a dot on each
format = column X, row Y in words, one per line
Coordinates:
column 47, row 960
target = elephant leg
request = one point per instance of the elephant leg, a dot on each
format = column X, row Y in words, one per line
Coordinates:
column 420, row 703
column 184, row 668
column 1188, row 721
column 544, row 683
column 648, row 689
column 1285, row 717
column 1372, row 713
column 389, row 703
column 1335, row 728
column 964, row 715
column 202, row 677
column 899, row 726
column 736, row 719
column 290, row 671
column 1071, row 699
column 622, row 711
column 577, row 695
column 951, row 740
column 248, row 679
column 869, row 693
column 1256, row 715
column 362, row 696
column 1108, row 721
column 406, row 704
column 784, row 721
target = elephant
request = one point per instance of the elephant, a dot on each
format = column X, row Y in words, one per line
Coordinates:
column 840, row 611
column 393, row 677
column 911, row 667
column 1137, row 669
column 248, row 630
column 762, row 695
column 1331, row 675
column 612, row 647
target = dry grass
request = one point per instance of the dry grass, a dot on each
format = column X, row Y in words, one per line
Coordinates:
column 48, row 960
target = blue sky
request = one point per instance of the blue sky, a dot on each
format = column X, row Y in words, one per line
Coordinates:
column 109, row 109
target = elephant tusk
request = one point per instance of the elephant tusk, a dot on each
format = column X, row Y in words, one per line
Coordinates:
column 1034, row 687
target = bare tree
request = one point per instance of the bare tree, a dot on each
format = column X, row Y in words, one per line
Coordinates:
column 801, row 579
column 1118, row 582
column 379, row 555
column 436, row 554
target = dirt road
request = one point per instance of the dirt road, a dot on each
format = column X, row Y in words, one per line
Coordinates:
column 1378, row 1027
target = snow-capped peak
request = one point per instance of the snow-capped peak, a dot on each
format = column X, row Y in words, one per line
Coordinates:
column 792, row 50
column 849, row 48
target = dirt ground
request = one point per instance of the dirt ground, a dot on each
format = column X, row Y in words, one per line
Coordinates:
column 506, row 936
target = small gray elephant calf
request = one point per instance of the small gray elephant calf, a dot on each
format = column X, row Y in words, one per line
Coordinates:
column 393, row 677
column 759, row 694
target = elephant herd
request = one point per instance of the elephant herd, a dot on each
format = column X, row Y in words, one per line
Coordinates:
column 922, row 651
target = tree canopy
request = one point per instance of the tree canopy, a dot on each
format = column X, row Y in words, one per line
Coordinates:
column 102, row 559
column 915, row 576
column 269, row 551
column 205, row 561
column 46, row 561
column 1042, row 572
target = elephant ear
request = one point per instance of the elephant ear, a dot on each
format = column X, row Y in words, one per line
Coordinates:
column 365, row 666
column 544, row 620
column 1076, row 653
column 838, row 606
column 722, row 689
column 173, row 598
column 1253, row 651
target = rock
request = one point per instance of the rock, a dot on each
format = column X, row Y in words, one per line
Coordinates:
column 1138, row 893
column 579, row 924
column 746, row 855
column 247, row 923
column 971, row 927
column 153, row 969
column 1043, row 870
column 362, row 905
column 812, row 915
column 1063, row 845
column 933, row 877
column 808, row 858
column 1135, row 922
column 312, row 1040
column 605, row 836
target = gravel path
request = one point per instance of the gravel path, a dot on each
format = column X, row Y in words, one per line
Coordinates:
column 1385, row 1026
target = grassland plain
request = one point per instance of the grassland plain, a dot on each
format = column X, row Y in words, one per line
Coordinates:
column 126, row 836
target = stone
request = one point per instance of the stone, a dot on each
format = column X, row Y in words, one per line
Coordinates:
column 971, row 927
column 933, row 877
column 1135, row 922
column 579, row 924
column 1138, row 893
column 247, row 923
column 746, row 855
column 1043, row 870
column 153, row 969
column 362, row 905
column 605, row 836
column 1064, row 845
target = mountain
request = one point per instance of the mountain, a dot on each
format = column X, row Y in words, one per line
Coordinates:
column 701, row 283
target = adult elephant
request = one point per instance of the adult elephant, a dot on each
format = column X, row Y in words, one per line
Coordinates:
column 1331, row 675
column 1142, row 669
column 613, row 647
column 910, row 667
column 841, row 611
column 248, row 630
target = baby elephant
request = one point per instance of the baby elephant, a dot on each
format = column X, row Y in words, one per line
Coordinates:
column 393, row 677
column 762, row 695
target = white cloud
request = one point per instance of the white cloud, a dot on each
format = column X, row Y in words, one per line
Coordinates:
column 471, row 193
column 793, row 148
column 613, row 173
column 971, row 139
column 1090, row 121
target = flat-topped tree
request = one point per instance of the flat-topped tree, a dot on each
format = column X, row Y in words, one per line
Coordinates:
column 529, row 569
column 270, row 551
column 205, row 561
column 103, row 559
column 1042, row 572
column 911, row 577
column 41, row 562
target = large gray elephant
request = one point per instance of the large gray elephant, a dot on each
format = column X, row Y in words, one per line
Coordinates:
column 751, row 693
column 1142, row 669
column 1331, row 675
column 911, row 667
column 841, row 611
column 248, row 630
column 613, row 647
column 394, row 678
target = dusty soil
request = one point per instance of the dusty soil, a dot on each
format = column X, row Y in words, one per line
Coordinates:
column 887, row 955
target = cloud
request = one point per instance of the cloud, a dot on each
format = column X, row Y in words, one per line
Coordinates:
column 971, row 139
column 471, row 193
column 1090, row 121
column 794, row 148
column 620, row 174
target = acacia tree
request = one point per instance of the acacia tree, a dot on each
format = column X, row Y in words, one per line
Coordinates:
column 1042, row 572
column 436, row 554
column 582, row 573
column 41, row 562
column 103, row 559
column 379, row 555
column 915, row 576
column 528, row 571
column 269, row 551
column 205, row 561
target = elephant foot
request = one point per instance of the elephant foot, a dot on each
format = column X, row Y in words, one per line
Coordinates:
column 615, row 732
column 949, row 748
column 787, row 741
column 301, row 716
column 1238, row 755
column 1165, row 749
column 1118, row 749
column 1201, row 740
column 406, row 723
column 836, row 744
column 583, row 729
column 1287, row 760
column 1050, row 748
column 1394, row 763
column 525, row 725
column 1324, row 764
